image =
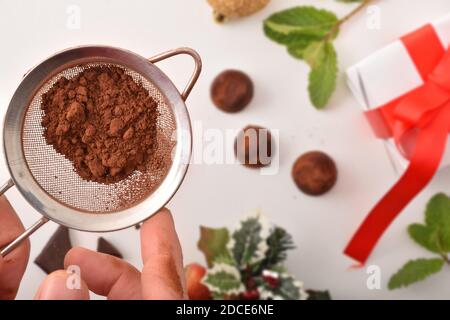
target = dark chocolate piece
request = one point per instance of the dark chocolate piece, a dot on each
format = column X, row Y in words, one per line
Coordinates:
column 107, row 247
column 52, row 256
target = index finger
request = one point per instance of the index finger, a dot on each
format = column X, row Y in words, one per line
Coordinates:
column 14, row 264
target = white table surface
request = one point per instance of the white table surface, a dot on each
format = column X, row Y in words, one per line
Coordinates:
column 218, row 195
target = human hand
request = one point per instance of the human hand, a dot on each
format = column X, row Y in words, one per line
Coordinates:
column 12, row 267
column 162, row 276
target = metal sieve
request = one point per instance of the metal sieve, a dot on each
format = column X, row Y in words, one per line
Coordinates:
column 48, row 181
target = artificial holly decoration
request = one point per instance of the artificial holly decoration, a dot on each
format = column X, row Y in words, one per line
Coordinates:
column 246, row 263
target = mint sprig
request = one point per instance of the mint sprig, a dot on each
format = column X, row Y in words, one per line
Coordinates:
column 415, row 271
column 433, row 236
column 308, row 34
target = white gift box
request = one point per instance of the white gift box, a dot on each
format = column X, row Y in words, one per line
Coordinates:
column 388, row 74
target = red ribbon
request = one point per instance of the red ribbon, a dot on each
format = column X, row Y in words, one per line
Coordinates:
column 419, row 122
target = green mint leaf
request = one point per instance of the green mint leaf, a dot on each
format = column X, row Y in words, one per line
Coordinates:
column 424, row 236
column 323, row 75
column 437, row 221
column 315, row 53
column 248, row 242
column 307, row 31
column 415, row 271
column 438, row 211
column 223, row 279
column 289, row 39
column 443, row 239
column 289, row 25
column 297, row 48
column 213, row 243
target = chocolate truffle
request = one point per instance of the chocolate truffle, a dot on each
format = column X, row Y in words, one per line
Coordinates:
column 253, row 146
column 232, row 91
column 314, row 173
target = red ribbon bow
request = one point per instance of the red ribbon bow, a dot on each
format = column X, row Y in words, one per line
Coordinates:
column 419, row 122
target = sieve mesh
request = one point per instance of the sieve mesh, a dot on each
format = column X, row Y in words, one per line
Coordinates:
column 56, row 175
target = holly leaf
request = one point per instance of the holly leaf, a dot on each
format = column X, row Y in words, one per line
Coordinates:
column 248, row 242
column 424, row 236
column 223, row 279
column 213, row 243
column 288, row 26
column 279, row 242
column 415, row 271
column 288, row 288
column 322, row 78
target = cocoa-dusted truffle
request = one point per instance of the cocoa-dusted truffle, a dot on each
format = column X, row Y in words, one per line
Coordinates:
column 253, row 146
column 232, row 91
column 314, row 173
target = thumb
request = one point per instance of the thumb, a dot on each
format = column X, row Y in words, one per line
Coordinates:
column 59, row 286
column 163, row 274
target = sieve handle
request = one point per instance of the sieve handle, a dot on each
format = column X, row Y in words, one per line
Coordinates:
column 10, row 247
column 197, row 69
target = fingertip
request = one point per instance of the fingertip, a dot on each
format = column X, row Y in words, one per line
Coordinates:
column 74, row 256
column 63, row 285
column 162, row 216
column 158, row 235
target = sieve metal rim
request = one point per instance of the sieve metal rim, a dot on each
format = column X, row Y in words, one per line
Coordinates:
column 53, row 209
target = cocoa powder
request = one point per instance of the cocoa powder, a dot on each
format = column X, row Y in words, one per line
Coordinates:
column 103, row 121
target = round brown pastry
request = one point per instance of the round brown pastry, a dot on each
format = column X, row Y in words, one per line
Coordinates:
column 253, row 146
column 229, row 9
column 232, row 91
column 314, row 173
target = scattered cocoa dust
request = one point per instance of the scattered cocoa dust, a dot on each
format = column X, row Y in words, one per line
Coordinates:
column 102, row 121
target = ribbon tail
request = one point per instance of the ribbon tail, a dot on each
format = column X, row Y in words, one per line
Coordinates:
column 428, row 153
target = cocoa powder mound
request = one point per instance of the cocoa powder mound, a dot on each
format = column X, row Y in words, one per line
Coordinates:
column 103, row 122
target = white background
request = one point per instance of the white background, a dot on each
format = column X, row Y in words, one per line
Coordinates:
column 218, row 195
